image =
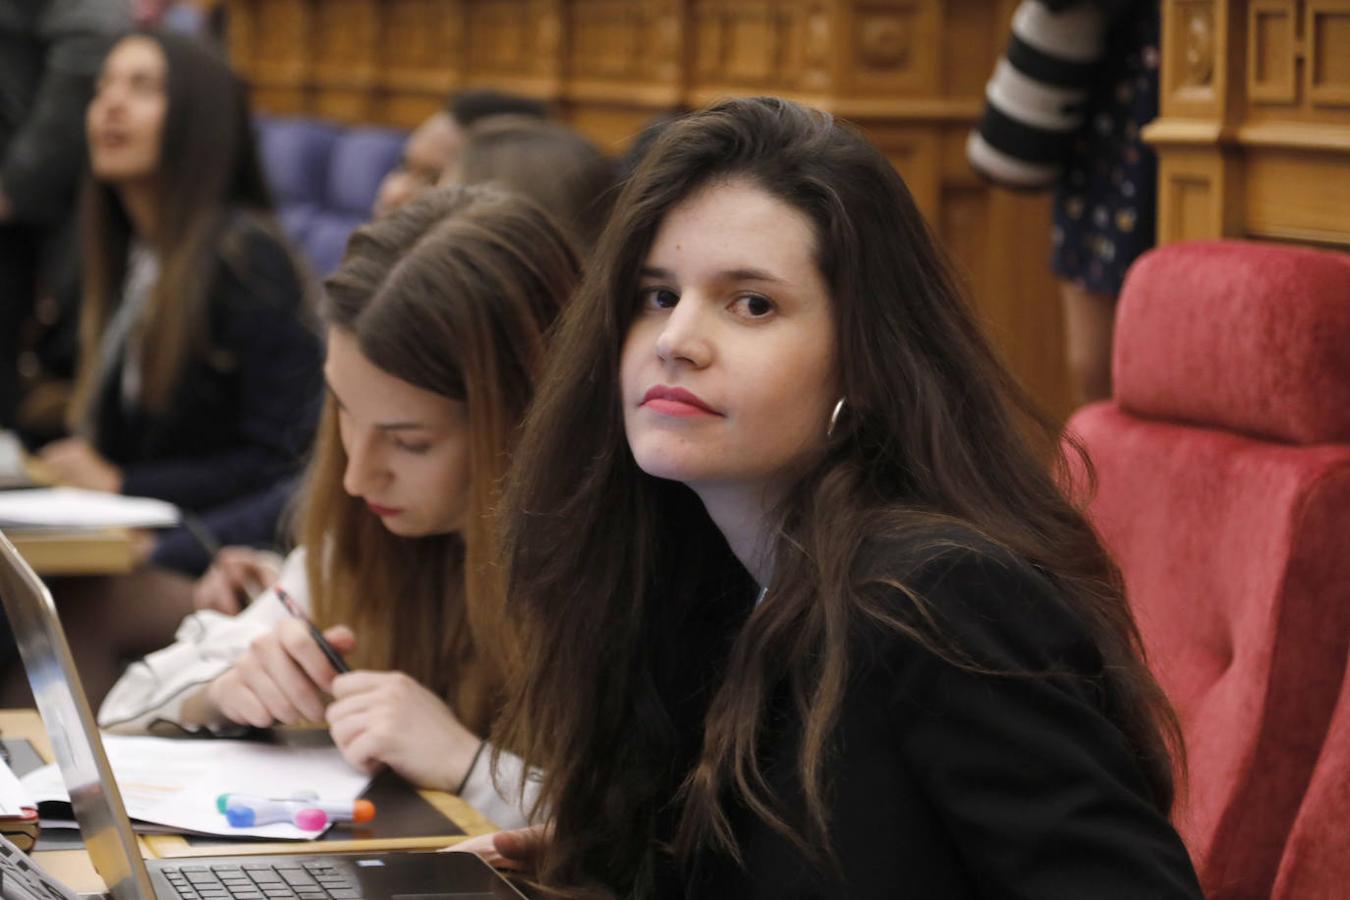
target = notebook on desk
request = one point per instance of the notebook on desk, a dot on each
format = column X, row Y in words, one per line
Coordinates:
column 112, row 845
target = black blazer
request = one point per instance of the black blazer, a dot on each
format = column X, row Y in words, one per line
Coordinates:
column 243, row 414
column 950, row 784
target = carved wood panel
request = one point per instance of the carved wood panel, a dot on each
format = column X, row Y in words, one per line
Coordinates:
column 1255, row 143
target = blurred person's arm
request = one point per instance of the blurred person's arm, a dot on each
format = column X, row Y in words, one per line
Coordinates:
column 42, row 161
column 252, row 521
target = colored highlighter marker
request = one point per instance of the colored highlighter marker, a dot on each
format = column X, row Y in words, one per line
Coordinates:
column 249, row 811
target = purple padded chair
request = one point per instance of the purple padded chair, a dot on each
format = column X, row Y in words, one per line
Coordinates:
column 361, row 158
column 295, row 157
column 324, row 178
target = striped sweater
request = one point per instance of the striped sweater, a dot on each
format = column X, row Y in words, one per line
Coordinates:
column 1036, row 96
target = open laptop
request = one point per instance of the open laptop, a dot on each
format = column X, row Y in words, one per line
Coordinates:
column 107, row 832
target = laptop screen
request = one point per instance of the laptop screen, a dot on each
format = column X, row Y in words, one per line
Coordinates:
column 75, row 740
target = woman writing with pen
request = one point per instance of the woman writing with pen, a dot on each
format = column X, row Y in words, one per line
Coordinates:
column 436, row 323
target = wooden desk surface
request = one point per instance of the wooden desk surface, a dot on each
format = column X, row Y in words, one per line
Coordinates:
column 106, row 551
column 72, row 867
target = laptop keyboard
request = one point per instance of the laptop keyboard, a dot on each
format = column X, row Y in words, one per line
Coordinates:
column 262, row 881
column 20, row 877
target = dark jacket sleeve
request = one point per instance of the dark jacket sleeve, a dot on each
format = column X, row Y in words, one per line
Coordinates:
column 1039, row 788
column 42, row 161
column 253, row 521
column 258, row 320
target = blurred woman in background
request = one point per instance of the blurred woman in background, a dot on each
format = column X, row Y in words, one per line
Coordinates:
column 198, row 379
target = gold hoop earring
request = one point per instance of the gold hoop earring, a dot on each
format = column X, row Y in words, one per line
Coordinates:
column 834, row 418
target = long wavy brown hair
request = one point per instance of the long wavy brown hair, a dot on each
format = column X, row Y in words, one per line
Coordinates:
column 209, row 189
column 615, row 576
column 454, row 294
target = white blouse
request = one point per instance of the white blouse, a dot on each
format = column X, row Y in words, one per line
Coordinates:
column 152, row 690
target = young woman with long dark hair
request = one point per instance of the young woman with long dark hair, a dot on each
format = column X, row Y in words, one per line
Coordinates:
column 803, row 611
column 198, row 377
column 435, row 322
column 199, row 365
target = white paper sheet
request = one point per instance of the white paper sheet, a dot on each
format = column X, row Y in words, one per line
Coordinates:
column 14, row 797
column 175, row 782
column 12, row 471
column 75, row 508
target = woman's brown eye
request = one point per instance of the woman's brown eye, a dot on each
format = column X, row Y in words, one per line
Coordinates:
column 659, row 298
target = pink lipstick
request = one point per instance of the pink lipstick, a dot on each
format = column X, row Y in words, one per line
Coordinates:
column 674, row 401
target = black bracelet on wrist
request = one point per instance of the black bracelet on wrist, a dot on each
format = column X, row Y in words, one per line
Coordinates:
column 472, row 763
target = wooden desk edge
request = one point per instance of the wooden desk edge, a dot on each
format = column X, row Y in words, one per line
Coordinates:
column 104, row 551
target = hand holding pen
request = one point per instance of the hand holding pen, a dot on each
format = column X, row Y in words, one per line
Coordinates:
column 296, row 612
column 285, row 673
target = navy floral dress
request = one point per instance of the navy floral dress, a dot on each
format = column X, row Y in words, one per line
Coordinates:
column 1105, row 205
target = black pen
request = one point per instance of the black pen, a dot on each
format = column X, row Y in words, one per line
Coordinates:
column 197, row 529
column 291, row 607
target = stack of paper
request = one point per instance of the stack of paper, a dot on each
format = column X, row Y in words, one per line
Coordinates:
column 75, row 508
column 13, row 470
column 18, row 810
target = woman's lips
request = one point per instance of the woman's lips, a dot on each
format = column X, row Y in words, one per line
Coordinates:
column 674, row 401
column 382, row 511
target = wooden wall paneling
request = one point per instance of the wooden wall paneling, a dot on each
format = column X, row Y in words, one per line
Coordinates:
column 346, row 57
column 279, row 37
column 1258, row 143
column 516, row 45
column 626, row 64
column 751, row 47
column 1199, row 194
column 1298, row 195
column 891, row 48
column 242, row 35
column 1191, row 82
column 1327, row 67
column 1272, row 51
column 1203, row 83
column 421, row 58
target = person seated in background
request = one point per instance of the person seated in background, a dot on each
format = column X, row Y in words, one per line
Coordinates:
column 199, row 372
column 549, row 163
column 434, row 145
column 801, row 610
column 436, row 323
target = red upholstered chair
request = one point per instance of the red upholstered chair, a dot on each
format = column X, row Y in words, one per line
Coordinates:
column 1316, row 863
column 1223, row 492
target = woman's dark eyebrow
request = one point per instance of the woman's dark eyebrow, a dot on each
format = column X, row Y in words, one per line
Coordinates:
column 728, row 275
column 749, row 275
column 402, row 426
